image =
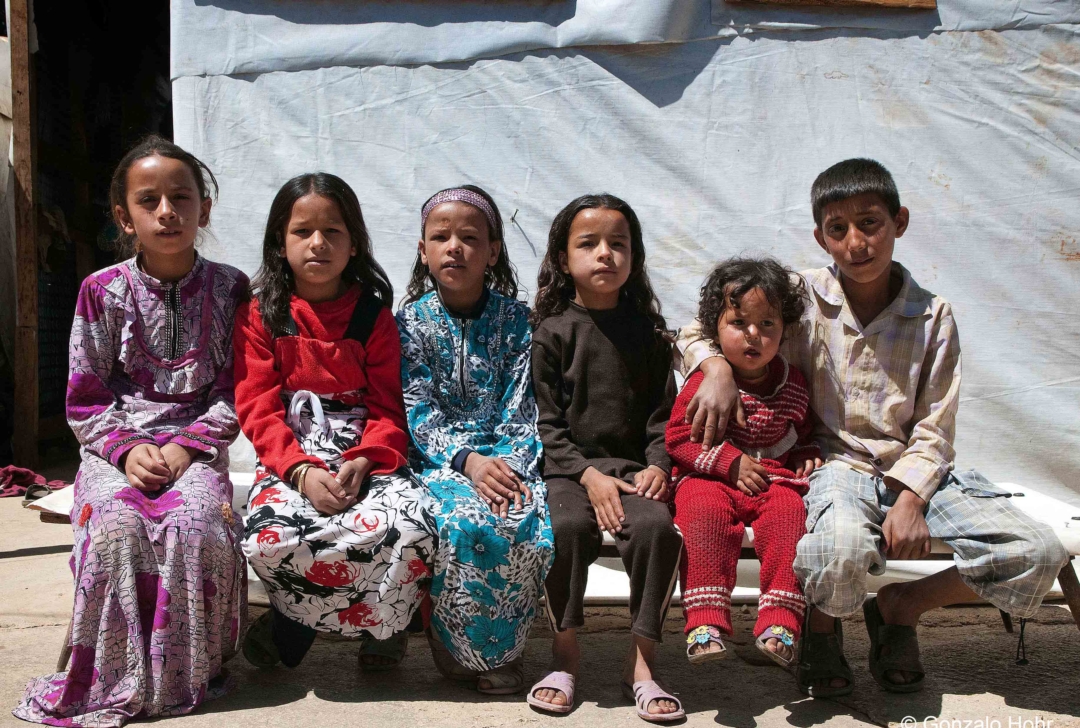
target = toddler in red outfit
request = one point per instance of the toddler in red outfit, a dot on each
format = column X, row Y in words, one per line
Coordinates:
column 757, row 475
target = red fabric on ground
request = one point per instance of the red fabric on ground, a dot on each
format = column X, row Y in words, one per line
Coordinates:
column 15, row 480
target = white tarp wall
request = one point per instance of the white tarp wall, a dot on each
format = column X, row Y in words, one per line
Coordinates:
column 712, row 120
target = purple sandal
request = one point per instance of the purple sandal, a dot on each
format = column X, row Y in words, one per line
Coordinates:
column 646, row 691
column 561, row 681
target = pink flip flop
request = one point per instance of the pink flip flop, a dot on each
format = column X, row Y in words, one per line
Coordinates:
column 646, row 691
column 561, row 681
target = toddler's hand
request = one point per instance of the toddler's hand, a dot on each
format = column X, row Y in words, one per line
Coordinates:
column 177, row 459
column 603, row 491
column 652, row 482
column 496, row 483
column 352, row 474
column 749, row 476
column 808, row 466
column 146, row 468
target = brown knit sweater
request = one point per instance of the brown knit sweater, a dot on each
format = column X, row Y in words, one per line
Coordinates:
column 604, row 388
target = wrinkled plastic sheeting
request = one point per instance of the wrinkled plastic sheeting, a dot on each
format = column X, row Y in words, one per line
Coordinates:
column 715, row 144
column 212, row 37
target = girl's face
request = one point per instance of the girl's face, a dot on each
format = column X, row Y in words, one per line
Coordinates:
column 317, row 247
column 598, row 256
column 163, row 207
column 749, row 334
column 457, row 249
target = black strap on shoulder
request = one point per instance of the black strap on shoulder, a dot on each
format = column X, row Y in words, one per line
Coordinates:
column 362, row 323
column 363, row 318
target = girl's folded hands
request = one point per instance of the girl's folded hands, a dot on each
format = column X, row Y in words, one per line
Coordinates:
column 497, row 484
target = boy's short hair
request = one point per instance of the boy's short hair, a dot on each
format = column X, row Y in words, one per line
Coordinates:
column 850, row 178
column 732, row 279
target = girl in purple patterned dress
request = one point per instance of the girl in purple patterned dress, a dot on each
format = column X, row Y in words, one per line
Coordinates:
column 160, row 593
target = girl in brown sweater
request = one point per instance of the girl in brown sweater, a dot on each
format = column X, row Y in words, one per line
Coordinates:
column 604, row 389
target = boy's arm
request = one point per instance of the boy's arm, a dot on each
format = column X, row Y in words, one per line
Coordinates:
column 691, row 348
column 687, row 454
column 718, row 397
column 929, row 454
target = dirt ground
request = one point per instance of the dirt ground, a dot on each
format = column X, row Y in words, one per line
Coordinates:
column 970, row 659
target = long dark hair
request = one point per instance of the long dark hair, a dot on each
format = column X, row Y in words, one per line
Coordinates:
column 150, row 146
column 274, row 283
column 555, row 289
column 502, row 276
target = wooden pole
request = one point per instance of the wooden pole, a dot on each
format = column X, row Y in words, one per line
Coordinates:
column 26, row 258
column 1070, row 588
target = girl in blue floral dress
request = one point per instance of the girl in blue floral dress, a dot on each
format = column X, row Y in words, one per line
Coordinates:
column 465, row 343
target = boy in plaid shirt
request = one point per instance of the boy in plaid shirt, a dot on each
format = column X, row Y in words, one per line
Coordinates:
column 882, row 357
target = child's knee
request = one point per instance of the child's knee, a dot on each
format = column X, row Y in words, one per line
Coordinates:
column 832, row 568
column 787, row 502
column 1043, row 555
column 654, row 526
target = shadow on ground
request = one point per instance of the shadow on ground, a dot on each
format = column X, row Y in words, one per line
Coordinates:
column 968, row 655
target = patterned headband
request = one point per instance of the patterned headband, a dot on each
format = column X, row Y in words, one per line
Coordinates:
column 459, row 194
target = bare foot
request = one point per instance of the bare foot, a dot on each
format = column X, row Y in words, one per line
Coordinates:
column 699, row 649
column 785, row 652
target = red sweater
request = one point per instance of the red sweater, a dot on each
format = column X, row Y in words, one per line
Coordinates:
column 777, row 431
column 318, row 359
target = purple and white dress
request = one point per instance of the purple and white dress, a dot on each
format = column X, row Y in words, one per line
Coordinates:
column 160, row 592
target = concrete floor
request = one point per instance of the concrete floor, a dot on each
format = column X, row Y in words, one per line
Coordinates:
column 972, row 676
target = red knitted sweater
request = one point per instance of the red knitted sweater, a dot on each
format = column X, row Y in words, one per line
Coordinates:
column 777, row 431
column 318, row 359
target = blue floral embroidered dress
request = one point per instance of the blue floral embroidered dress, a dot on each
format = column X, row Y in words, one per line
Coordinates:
column 467, row 386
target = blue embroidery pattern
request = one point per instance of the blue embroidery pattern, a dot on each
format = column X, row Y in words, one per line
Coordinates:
column 468, row 384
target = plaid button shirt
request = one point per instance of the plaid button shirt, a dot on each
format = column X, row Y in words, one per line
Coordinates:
column 885, row 394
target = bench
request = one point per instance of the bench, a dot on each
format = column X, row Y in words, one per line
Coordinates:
column 1064, row 518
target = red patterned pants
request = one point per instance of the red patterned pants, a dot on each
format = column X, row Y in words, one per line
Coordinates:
column 712, row 517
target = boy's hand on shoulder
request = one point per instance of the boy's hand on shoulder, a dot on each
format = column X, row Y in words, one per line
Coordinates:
column 603, row 491
column 146, row 468
column 717, row 398
column 652, row 483
column 497, row 484
column 749, row 476
column 906, row 534
column 807, row 466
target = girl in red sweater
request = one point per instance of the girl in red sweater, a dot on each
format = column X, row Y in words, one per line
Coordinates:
column 757, row 475
column 338, row 528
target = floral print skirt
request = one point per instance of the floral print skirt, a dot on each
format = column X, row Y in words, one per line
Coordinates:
column 489, row 571
column 160, row 599
column 365, row 570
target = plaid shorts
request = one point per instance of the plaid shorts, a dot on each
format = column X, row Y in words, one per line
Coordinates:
column 1007, row 557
